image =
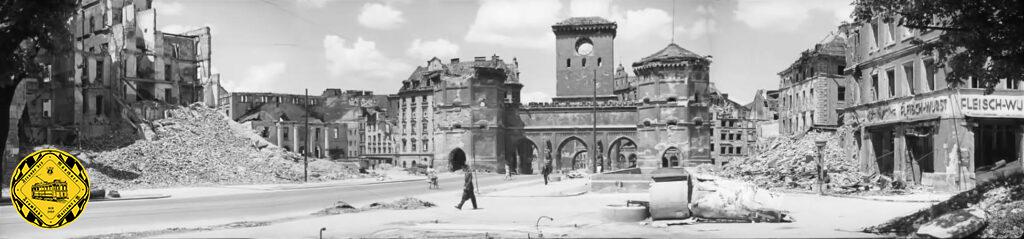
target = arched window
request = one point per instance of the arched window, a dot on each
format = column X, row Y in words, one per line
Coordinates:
column 583, row 62
column 568, row 62
column 599, row 61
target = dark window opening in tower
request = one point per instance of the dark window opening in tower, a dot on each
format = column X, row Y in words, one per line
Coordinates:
column 583, row 62
column 599, row 62
column 568, row 62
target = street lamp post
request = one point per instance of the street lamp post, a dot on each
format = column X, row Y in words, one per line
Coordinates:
column 305, row 155
column 593, row 132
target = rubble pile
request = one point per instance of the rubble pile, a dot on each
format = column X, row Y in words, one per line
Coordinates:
column 786, row 162
column 990, row 210
column 407, row 203
column 196, row 146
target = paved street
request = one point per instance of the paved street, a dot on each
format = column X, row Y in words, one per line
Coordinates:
column 140, row 215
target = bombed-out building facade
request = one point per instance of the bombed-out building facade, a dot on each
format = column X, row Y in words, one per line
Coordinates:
column 455, row 113
column 914, row 126
column 120, row 71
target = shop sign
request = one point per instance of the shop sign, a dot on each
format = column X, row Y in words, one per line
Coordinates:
column 940, row 106
column 993, row 105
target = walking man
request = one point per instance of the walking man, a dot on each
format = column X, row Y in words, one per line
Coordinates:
column 467, row 190
column 508, row 173
column 546, row 170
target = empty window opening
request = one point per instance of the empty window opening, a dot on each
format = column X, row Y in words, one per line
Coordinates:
column 841, row 94
column 891, row 77
column 908, row 71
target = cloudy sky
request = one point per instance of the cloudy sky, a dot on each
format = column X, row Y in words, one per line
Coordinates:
column 290, row 45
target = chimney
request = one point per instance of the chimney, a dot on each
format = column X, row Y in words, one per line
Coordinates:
column 455, row 60
column 480, row 58
column 725, row 96
column 495, row 57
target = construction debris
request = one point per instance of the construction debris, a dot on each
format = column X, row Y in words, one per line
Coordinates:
column 401, row 204
column 998, row 204
column 197, row 146
column 790, row 162
column 730, row 200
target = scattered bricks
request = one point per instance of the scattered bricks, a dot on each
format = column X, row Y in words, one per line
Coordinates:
column 200, row 146
column 788, row 162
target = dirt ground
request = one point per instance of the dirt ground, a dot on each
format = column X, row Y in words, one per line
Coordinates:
column 515, row 212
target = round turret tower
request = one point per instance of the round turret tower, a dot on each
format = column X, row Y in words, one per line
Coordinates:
column 672, row 89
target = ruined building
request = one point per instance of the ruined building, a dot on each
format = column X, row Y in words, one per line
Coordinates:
column 733, row 132
column 283, row 119
column 764, row 113
column 459, row 113
column 121, row 71
column 813, row 88
column 912, row 125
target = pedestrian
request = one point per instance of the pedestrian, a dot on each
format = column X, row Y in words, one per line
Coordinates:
column 432, row 177
column 467, row 190
column 508, row 173
column 546, row 170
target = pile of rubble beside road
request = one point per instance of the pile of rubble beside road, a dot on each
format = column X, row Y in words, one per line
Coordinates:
column 991, row 210
column 200, row 146
column 790, row 162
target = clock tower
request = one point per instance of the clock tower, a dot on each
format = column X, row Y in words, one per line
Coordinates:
column 584, row 50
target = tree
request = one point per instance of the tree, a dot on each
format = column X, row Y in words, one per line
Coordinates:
column 30, row 32
column 982, row 39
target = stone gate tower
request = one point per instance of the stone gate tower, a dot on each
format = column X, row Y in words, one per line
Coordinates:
column 584, row 45
column 673, row 94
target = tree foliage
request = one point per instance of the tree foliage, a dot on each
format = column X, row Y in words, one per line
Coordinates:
column 982, row 39
column 29, row 29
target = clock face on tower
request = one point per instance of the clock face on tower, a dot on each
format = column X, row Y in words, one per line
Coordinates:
column 584, row 47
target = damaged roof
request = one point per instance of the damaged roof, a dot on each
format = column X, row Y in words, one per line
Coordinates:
column 670, row 54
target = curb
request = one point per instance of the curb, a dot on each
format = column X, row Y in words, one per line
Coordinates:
column 885, row 200
column 866, row 198
column 539, row 196
column 7, row 201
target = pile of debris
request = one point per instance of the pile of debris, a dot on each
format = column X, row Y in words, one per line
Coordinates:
column 407, row 203
column 790, row 162
column 196, row 145
column 991, row 210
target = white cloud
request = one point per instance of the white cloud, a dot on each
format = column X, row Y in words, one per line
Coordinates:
column 314, row 3
column 440, row 48
column 787, row 14
column 515, row 23
column 361, row 62
column 700, row 27
column 586, row 8
column 380, row 16
column 168, row 8
column 644, row 23
column 637, row 24
column 257, row 77
column 534, row 96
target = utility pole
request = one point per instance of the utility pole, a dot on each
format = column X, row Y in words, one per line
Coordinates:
column 593, row 132
column 305, row 155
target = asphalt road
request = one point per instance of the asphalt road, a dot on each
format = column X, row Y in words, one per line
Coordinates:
column 142, row 215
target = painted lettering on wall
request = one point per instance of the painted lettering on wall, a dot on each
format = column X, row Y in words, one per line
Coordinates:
column 1001, row 104
column 940, row 106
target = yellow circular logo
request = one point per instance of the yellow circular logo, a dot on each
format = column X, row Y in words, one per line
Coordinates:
column 50, row 188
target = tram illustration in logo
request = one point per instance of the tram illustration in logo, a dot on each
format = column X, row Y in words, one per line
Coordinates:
column 55, row 191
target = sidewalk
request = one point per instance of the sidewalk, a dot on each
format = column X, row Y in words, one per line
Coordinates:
column 514, row 212
column 564, row 188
